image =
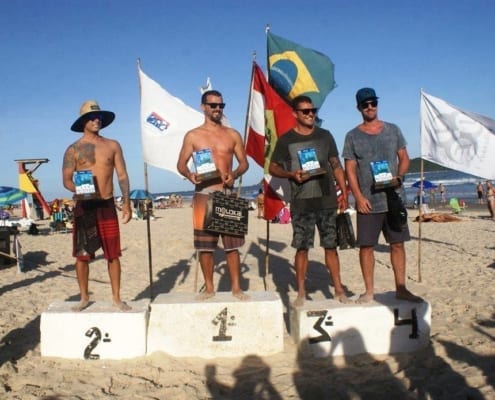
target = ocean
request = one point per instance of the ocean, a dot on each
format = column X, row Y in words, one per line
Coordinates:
column 457, row 184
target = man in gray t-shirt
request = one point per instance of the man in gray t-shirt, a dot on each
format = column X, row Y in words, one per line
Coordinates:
column 381, row 143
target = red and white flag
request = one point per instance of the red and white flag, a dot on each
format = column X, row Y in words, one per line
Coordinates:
column 269, row 118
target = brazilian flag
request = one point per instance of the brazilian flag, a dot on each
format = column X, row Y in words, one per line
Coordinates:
column 295, row 70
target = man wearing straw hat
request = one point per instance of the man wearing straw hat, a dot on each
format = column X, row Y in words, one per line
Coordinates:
column 95, row 217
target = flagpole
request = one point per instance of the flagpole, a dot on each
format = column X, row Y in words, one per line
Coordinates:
column 267, row 250
column 420, row 199
column 148, row 207
column 248, row 112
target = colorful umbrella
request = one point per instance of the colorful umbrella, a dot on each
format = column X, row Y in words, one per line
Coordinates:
column 10, row 195
column 140, row 194
column 426, row 184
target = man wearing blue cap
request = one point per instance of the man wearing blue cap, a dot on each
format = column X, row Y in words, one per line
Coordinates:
column 371, row 143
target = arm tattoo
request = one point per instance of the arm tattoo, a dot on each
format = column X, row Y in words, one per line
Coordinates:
column 335, row 163
column 124, row 188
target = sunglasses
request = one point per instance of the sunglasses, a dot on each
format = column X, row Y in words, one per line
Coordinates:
column 365, row 104
column 215, row 105
column 306, row 111
column 92, row 117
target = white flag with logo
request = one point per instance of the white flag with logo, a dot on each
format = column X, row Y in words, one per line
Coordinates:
column 457, row 139
column 165, row 120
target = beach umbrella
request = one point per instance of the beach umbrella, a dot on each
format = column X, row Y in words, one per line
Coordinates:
column 426, row 184
column 140, row 194
column 10, row 195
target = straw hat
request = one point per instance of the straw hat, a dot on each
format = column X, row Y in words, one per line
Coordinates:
column 91, row 107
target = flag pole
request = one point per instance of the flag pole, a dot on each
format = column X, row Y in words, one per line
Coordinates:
column 248, row 112
column 420, row 202
column 267, row 250
column 148, row 207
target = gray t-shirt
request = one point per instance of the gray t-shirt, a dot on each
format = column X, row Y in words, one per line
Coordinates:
column 364, row 149
column 318, row 193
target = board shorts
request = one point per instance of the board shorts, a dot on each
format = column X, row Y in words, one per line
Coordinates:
column 303, row 228
column 369, row 227
column 206, row 240
column 96, row 225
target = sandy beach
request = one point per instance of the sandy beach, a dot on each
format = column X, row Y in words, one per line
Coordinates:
column 457, row 269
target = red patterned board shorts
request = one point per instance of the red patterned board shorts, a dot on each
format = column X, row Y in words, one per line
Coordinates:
column 206, row 240
column 107, row 227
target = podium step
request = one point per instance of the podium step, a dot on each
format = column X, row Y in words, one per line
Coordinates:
column 97, row 332
column 221, row 326
column 384, row 326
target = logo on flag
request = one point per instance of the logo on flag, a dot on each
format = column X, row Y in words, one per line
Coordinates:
column 158, row 122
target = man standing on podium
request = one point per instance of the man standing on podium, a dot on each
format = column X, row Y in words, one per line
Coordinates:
column 95, row 217
column 370, row 142
column 313, row 195
column 224, row 143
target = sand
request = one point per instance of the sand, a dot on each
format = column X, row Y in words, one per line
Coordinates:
column 457, row 268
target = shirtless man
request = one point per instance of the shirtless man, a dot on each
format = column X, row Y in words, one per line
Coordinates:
column 102, row 157
column 224, row 143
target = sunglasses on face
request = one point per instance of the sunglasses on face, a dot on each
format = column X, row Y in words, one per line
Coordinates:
column 306, row 111
column 365, row 104
column 215, row 105
column 92, row 117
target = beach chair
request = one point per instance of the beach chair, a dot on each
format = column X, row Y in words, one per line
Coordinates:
column 455, row 206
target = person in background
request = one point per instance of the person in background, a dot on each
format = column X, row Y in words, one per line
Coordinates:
column 313, row 197
column 260, row 203
column 95, row 220
column 490, row 199
column 432, row 196
column 480, row 192
column 376, row 141
column 441, row 190
column 225, row 143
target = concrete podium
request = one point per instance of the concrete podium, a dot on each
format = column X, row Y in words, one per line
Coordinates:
column 383, row 326
column 97, row 332
column 221, row 326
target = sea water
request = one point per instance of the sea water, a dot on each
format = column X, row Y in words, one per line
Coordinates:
column 457, row 184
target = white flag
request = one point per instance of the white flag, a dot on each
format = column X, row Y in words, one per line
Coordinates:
column 457, row 139
column 165, row 119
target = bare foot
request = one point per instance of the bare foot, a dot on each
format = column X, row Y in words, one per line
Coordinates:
column 342, row 298
column 365, row 298
column 205, row 296
column 122, row 306
column 405, row 294
column 240, row 295
column 81, row 305
column 299, row 301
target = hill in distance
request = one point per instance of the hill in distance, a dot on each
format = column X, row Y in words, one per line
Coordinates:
column 428, row 166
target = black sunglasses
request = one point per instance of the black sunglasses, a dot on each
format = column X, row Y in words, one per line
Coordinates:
column 92, row 117
column 306, row 111
column 365, row 104
column 215, row 105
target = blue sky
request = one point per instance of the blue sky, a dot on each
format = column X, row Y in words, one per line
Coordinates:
column 58, row 53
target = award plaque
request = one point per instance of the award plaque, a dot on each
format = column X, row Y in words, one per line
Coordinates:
column 205, row 165
column 382, row 177
column 309, row 162
column 85, row 185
